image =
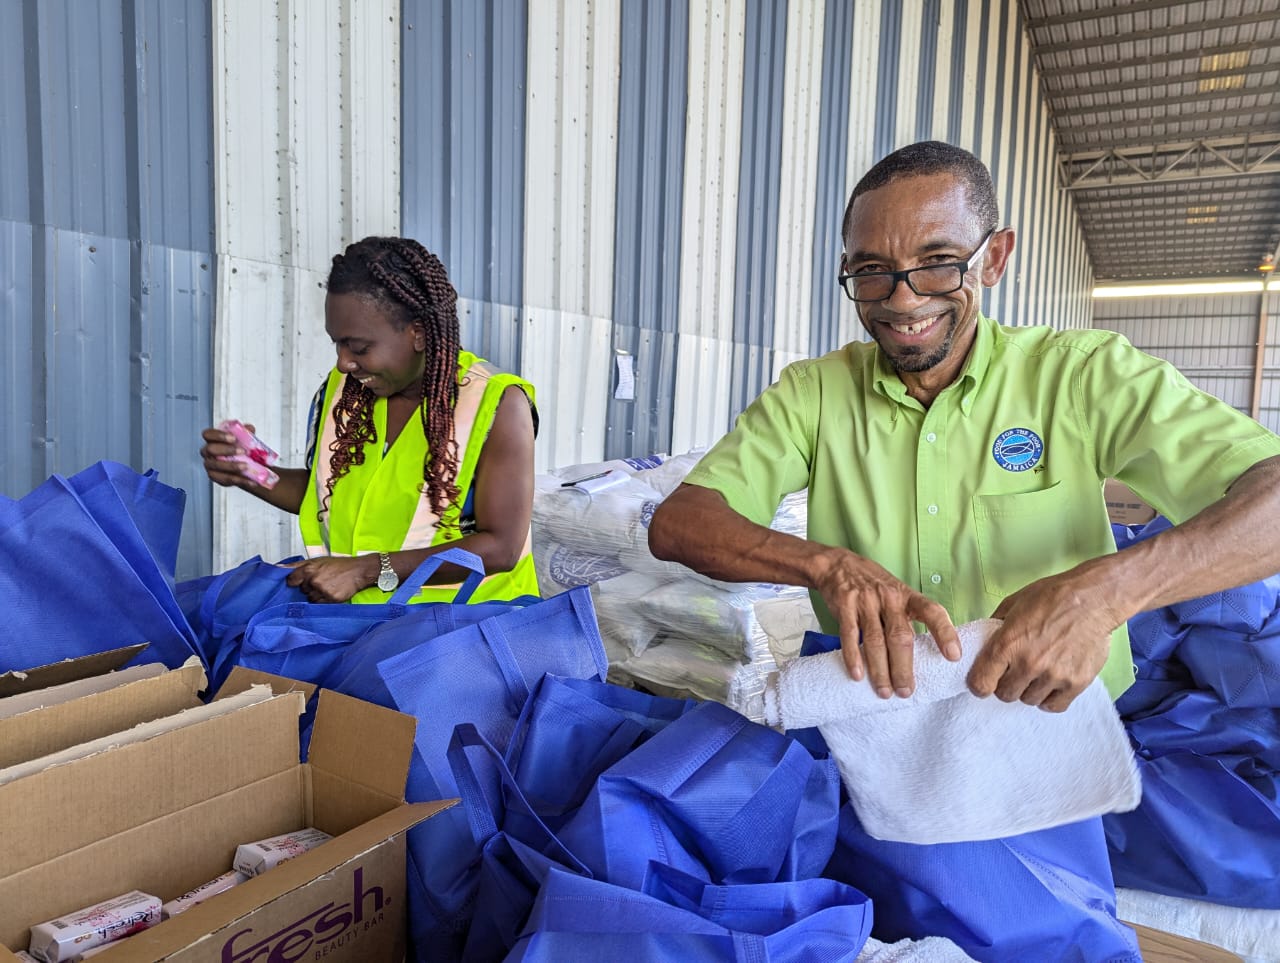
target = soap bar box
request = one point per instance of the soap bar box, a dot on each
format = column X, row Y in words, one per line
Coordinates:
column 165, row 813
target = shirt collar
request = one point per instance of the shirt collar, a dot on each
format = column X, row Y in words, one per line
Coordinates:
column 972, row 375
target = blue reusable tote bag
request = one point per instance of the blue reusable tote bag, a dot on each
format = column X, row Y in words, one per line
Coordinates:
column 79, row 580
column 481, row 674
column 224, row 604
column 305, row 640
column 715, row 796
column 676, row 918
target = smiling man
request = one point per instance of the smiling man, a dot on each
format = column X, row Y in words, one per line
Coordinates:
column 954, row 467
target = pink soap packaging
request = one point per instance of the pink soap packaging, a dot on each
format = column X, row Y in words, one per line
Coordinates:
column 201, row 893
column 254, row 859
column 67, row 937
column 258, row 456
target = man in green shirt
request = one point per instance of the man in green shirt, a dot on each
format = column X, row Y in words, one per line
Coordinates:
column 955, row 467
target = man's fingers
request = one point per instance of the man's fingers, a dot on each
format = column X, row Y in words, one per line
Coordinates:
column 988, row 669
column 875, row 653
column 1039, row 690
column 1060, row 699
column 939, row 624
column 901, row 650
column 850, row 653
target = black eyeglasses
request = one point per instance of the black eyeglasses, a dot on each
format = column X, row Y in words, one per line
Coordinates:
column 925, row 281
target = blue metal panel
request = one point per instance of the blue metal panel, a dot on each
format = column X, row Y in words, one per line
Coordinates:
column 759, row 174
column 17, row 455
column 107, row 270
column 833, row 192
column 15, row 197
column 955, row 110
column 887, row 77
column 929, row 17
column 463, row 74
column 652, row 101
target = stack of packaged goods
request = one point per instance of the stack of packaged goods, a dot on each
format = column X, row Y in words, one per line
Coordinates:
column 666, row 628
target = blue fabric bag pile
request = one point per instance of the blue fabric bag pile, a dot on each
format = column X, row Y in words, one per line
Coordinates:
column 86, row 565
column 1046, row 895
column 480, row 674
column 682, row 831
column 1204, row 719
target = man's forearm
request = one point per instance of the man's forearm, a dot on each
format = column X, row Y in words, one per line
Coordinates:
column 695, row 526
column 1233, row 542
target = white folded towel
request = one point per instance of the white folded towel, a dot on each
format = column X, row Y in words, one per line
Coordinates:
column 944, row 766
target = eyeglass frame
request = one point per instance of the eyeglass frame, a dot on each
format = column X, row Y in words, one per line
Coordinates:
column 896, row 277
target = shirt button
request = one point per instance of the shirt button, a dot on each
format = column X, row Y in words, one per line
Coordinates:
column 933, row 509
column 931, row 438
column 935, row 578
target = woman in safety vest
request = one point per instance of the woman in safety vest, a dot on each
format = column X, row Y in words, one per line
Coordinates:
column 415, row 445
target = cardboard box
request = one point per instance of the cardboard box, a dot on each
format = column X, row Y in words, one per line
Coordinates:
column 1123, row 506
column 165, row 815
column 49, row 728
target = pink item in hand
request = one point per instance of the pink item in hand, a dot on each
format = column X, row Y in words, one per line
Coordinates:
column 257, row 456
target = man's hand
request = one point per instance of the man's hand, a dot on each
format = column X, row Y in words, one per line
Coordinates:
column 875, row 608
column 1053, row 643
column 333, row 579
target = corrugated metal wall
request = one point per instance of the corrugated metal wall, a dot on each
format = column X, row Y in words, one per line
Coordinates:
column 622, row 188
column 306, row 129
column 1212, row 339
column 106, row 239
column 655, row 188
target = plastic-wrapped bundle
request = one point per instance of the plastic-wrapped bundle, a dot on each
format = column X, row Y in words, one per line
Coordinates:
column 679, row 668
column 748, row 622
column 664, row 626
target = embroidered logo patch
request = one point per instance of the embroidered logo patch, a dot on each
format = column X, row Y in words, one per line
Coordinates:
column 1017, row 449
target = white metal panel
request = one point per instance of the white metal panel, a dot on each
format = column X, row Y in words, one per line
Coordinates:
column 291, row 171
column 904, row 125
column 972, row 83
column 570, row 359
column 798, row 183
column 862, row 89
column 571, row 155
column 704, row 379
column 570, row 209
column 713, row 136
column 940, row 124
column 862, row 121
column 993, row 85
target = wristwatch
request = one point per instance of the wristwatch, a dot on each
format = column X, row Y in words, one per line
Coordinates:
column 387, row 577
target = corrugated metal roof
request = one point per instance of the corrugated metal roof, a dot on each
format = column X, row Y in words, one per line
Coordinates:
column 1167, row 114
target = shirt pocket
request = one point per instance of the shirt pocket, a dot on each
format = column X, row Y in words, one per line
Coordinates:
column 1023, row 537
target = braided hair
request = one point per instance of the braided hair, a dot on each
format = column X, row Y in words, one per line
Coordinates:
column 410, row 284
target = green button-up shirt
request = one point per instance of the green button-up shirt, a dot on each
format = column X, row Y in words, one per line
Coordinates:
column 999, row 481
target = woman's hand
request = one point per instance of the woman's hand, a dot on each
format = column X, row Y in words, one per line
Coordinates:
column 220, row 465
column 334, row 579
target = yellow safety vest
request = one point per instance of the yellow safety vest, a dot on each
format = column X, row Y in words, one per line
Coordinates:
column 380, row 506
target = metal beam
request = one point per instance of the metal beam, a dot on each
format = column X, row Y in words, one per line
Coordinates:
column 1101, row 13
column 1199, row 118
column 1147, row 82
column 1264, row 139
column 1082, row 183
column 1174, row 102
column 1171, row 30
column 1152, row 60
column 1255, row 134
column 1269, row 138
